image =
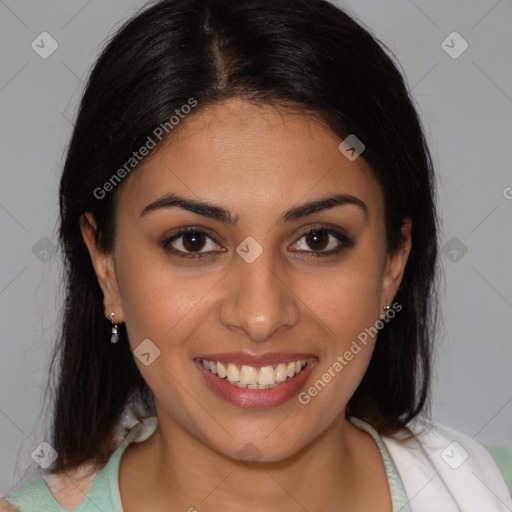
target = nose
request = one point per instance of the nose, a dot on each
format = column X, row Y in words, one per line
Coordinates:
column 258, row 301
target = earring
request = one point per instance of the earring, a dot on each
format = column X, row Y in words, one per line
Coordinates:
column 115, row 337
column 386, row 308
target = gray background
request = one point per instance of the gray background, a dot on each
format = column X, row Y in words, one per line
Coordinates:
column 466, row 107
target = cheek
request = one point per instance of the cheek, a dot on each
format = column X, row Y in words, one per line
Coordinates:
column 158, row 300
column 160, row 308
column 347, row 303
column 347, row 299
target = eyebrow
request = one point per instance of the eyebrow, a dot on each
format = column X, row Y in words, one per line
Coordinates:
column 221, row 214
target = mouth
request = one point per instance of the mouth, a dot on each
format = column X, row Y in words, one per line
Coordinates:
column 254, row 377
column 268, row 380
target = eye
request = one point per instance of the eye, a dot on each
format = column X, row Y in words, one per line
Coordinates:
column 189, row 242
column 192, row 242
column 324, row 241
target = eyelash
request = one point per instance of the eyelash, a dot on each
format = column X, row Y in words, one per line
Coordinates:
column 345, row 241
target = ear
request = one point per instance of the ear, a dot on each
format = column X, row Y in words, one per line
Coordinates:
column 395, row 265
column 103, row 264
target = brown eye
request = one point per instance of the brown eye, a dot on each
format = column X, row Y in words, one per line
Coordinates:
column 317, row 240
column 193, row 241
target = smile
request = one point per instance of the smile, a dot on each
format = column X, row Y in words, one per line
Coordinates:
column 253, row 377
column 270, row 380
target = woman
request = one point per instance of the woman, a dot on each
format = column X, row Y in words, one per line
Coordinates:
column 249, row 226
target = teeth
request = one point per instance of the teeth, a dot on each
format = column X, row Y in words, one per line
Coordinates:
column 266, row 375
column 233, row 374
column 280, row 373
column 221, row 370
column 251, row 377
column 248, row 375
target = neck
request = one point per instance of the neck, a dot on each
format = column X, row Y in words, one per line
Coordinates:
column 182, row 470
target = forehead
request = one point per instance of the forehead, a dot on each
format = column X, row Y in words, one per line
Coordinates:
column 243, row 155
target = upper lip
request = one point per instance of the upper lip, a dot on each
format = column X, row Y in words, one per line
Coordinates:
column 251, row 359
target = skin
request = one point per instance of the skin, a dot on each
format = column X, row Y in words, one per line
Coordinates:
column 257, row 162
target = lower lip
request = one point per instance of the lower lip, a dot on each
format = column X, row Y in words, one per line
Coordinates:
column 253, row 398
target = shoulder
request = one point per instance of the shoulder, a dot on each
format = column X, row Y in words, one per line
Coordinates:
column 30, row 497
column 52, row 491
column 6, row 506
column 442, row 465
column 70, row 488
column 67, row 490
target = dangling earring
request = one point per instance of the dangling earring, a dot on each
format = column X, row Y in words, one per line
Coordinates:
column 115, row 337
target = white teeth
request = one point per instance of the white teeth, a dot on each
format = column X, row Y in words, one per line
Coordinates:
column 233, row 373
column 280, row 372
column 221, row 371
column 251, row 377
column 266, row 376
column 248, row 375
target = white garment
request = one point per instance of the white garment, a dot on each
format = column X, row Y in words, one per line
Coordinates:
column 443, row 470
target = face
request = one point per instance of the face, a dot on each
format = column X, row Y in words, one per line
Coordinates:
column 272, row 271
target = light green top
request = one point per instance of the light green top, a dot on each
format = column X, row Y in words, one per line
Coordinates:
column 503, row 458
column 104, row 496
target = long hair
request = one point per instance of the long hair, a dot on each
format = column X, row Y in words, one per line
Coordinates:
column 307, row 54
